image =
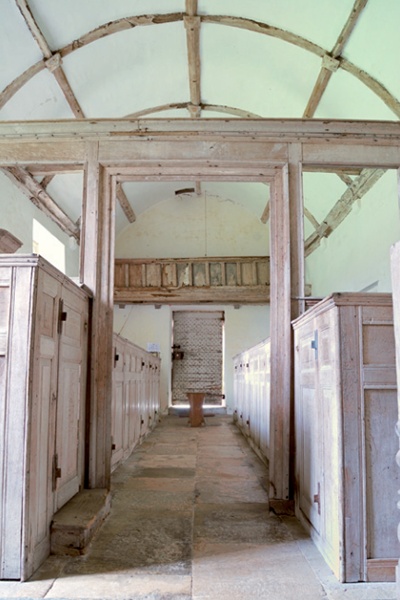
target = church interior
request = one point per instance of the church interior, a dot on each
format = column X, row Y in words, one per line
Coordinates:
column 199, row 292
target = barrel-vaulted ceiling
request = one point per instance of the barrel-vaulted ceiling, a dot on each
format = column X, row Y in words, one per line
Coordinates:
column 194, row 59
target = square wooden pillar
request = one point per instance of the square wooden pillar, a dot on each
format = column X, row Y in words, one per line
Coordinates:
column 97, row 273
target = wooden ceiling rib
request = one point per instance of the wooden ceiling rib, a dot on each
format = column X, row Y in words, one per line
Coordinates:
column 330, row 66
column 52, row 61
column 259, row 27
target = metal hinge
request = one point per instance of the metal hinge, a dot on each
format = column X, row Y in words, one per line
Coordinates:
column 62, row 315
column 56, row 471
column 317, row 498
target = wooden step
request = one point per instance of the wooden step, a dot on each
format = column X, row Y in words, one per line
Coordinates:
column 75, row 524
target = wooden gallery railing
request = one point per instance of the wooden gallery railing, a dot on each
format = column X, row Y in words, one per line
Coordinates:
column 229, row 280
column 136, row 397
column 252, row 376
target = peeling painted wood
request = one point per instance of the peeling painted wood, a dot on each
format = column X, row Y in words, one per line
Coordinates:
column 233, row 280
column 326, row 70
column 40, row 198
column 54, row 66
column 359, row 187
column 125, row 204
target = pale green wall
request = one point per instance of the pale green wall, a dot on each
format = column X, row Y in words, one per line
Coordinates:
column 143, row 324
column 356, row 255
column 17, row 214
column 192, row 227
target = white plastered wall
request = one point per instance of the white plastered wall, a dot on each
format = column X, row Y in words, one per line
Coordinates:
column 193, row 227
column 144, row 324
column 356, row 256
column 17, row 214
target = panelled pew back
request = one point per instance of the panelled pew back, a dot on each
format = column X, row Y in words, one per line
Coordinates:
column 345, row 411
column 136, row 397
column 252, row 378
column 43, row 357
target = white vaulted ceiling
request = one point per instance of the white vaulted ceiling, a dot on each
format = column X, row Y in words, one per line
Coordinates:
column 260, row 58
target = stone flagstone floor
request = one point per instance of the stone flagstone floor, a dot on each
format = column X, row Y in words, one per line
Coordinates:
column 190, row 520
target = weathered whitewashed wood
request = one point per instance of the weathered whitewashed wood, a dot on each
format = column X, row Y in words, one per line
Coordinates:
column 280, row 343
column 40, row 198
column 125, row 204
column 8, row 242
column 330, row 62
column 252, row 379
column 41, row 406
column 136, row 397
column 358, row 188
column 97, row 273
column 345, row 406
column 192, row 280
column 395, row 273
column 297, row 282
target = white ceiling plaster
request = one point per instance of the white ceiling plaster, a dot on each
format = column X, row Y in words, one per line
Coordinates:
column 319, row 21
column 130, row 70
column 63, row 21
column 144, row 67
column 18, row 50
column 255, row 72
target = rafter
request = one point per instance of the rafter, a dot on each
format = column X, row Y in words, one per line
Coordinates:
column 40, row 198
column 256, row 26
column 308, row 214
column 47, row 179
column 52, row 61
column 331, row 62
column 266, row 212
column 359, row 187
column 125, row 204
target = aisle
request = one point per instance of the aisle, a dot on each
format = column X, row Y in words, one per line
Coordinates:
column 190, row 521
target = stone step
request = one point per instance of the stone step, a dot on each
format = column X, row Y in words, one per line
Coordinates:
column 75, row 524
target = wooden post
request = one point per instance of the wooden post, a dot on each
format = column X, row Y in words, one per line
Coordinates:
column 296, row 230
column 97, row 273
column 395, row 272
column 280, row 343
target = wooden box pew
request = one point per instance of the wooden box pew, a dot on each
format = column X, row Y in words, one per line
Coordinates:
column 43, row 357
column 252, row 396
column 345, row 413
column 135, row 397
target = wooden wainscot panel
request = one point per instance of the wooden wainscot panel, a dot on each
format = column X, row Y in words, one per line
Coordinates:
column 346, row 407
column 252, row 379
column 243, row 280
column 135, row 397
column 43, row 331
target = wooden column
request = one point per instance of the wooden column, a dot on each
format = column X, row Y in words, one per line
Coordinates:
column 97, row 273
column 296, row 230
column 280, row 343
column 395, row 272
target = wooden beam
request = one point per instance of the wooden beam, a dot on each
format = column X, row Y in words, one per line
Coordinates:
column 125, row 204
column 52, row 61
column 47, row 179
column 311, row 218
column 360, row 186
column 40, row 198
column 191, row 7
column 331, row 62
column 266, row 212
column 280, row 413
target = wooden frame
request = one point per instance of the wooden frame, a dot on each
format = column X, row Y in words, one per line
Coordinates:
column 274, row 151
